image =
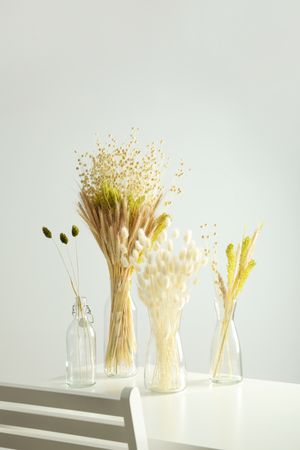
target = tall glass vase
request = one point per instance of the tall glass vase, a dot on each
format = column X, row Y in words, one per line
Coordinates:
column 164, row 368
column 120, row 327
column 81, row 347
column 226, row 361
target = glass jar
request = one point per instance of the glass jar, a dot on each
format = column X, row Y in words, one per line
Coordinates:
column 81, row 346
column 165, row 368
column 226, row 361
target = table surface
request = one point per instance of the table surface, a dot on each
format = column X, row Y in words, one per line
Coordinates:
column 252, row 415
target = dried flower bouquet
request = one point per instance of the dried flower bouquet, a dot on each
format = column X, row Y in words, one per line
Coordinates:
column 120, row 193
column 80, row 339
column 163, row 288
column 239, row 266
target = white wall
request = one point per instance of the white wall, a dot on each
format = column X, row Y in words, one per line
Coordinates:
column 219, row 80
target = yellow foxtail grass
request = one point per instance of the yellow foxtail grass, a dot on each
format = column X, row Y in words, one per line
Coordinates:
column 239, row 266
column 120, row 194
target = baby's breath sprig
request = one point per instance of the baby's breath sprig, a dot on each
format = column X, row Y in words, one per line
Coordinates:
column 65, row 240
column 123, row 170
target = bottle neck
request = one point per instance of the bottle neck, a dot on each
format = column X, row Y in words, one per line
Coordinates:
column 225, row 310
column 79, row 307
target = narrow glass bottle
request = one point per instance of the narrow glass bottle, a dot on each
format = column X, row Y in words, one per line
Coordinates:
column 81, row 347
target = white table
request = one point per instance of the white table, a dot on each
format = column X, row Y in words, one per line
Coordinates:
column 252, row 415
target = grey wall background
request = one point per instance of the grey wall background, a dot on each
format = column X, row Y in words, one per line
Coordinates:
column 219, row 81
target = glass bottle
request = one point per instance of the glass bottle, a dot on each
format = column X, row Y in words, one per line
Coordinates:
column 226, row 361
column 165, row 368
column 81, row 346
column 120, row 332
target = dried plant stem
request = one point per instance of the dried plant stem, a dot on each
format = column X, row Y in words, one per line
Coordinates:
column 73, row 270
column 224, row 334
column 121, row 344
column 106, row 226
column 86, row 365
column 67, row 270
column 165, row 327
column 77, row 266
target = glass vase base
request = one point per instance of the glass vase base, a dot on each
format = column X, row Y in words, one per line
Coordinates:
column 80, row 385
column 159, row 390
column 226, row 379
column 120, row 373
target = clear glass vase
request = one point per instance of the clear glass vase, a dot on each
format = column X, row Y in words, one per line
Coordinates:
column 81, row 347
column 226, row 361
column 165, row 368
column 120, row 330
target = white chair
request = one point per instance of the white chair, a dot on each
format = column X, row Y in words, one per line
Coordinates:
column 46, row 419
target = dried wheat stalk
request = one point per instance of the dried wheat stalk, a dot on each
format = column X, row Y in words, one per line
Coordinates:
column 120, row 195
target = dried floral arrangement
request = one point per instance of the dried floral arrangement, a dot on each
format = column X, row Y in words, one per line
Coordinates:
column 121, row 191
column 81, row 343
column 72, row 269
column 163, row 286
column 240, row 263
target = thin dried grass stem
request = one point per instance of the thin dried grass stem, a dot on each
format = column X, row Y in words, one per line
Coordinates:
column 165, row 326
column 121, row 344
